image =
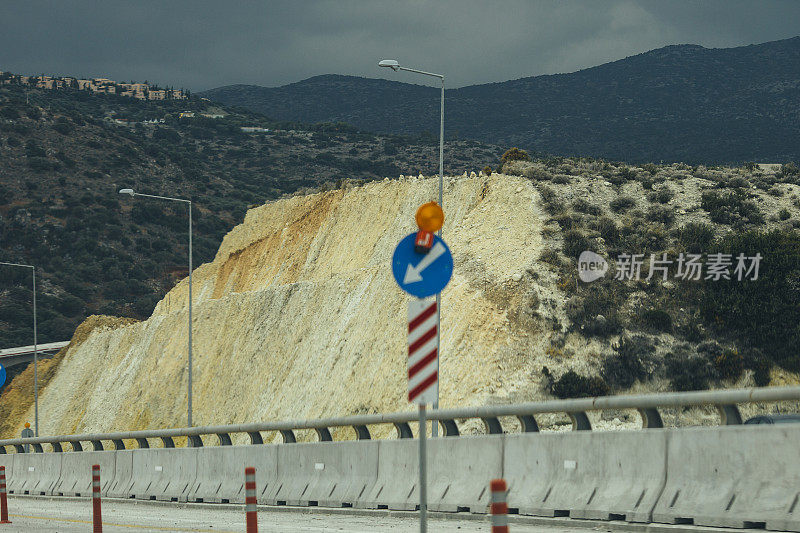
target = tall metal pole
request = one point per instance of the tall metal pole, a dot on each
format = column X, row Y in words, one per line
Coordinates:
column 35, row 349
column 434, row 424
column 133, row 193
column 190, row 314
column 394, row 65
column 35, row 363
column 423, row 471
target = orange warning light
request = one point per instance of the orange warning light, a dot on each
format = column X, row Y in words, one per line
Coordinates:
column 430, row 217
column 27, row 425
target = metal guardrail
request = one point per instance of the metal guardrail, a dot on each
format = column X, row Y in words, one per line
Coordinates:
column 647, row 404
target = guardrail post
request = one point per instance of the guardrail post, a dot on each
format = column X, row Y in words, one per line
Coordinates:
column 250, row 499
column 224, row 439
column 2, row 450
column 76, row 445
column 288, row 436
column 255, row 437
column 449, row 428
column 97, row 445
column 492, row 425
column 118, row 444
column 97, row 520
column 580, row 422
column 168, row 442
column 403, row 430
column 57, row 447
column 362, row 432
column 3, row 497
column 323, row 434
column 651, row 418
column 729, row 415
column 37, row 448
column 142, row 443
column 528, row 423
column 195, row 441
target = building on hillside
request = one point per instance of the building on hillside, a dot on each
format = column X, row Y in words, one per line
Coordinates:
column 187, row 114
column 254, row 129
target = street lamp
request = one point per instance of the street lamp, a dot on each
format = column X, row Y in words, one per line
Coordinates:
column 35, row 351
column 132, row 193
column 394, row 65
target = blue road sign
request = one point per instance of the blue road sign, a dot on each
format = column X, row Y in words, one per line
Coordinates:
column 422, row 275
column 2, row 376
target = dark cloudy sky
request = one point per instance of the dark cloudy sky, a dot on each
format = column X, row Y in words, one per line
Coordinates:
column 201, row 44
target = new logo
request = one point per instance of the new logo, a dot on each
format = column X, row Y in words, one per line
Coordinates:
column 591, row 266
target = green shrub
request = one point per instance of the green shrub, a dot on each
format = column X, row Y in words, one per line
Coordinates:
column 731, row 208
column 583, row 206
column 630, row 362
column 729, row 364
column 608, row 230
column 657, row 319
column 764, row 313
column 573, row 385
column 696, row 236
column 661, row 213
column 688, row 373
column 661, row 196
column 561, row 179
column 552, row 204
column 651, row 168
column 784, row 214
column 622, row 203
column 595, row 310
column 627, row 174
column 575, row 242
column 514, row 154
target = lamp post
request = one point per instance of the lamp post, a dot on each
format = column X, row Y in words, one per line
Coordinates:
column 132, row 193
column 394, row 65
column 35, row 351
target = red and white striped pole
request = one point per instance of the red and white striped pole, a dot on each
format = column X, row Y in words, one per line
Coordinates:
column 3, row 497
column 499, row 508
column 97, row 519
column 250, row 499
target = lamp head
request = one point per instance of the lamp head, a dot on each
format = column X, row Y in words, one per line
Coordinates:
column 391, row 63
column 127, row 191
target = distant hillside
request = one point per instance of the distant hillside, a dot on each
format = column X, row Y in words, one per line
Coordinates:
column 678, row 103
column 64, row 154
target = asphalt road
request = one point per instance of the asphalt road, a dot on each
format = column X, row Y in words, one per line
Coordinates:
column 68, row 515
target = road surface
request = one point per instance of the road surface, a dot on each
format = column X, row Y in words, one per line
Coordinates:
column 68, row 515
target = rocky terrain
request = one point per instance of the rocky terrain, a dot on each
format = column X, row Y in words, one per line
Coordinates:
column 298, row 316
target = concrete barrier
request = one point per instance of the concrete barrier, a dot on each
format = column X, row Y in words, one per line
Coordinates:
column 7, row 460
column 744, row 476
column 123, row 475
column 594, row 475
column 398, row 477
column 76, row 472
column 163, row 473
column 459, row 471
column 35, row 473
column 328, row 474
column 220, row 472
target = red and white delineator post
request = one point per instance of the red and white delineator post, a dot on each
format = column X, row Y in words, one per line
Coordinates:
column 3, row 497
column 499, row 506
column 97, row 518
column 250, row 499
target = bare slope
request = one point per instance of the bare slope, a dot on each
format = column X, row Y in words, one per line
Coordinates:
column 298, row 315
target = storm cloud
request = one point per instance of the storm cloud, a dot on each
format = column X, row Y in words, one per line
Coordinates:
column 204, row 44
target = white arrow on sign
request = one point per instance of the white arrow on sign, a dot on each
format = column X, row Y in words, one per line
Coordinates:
column 413, row 273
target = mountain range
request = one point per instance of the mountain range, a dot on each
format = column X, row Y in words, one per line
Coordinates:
column 678, row 103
